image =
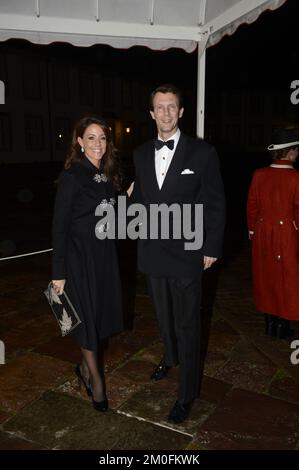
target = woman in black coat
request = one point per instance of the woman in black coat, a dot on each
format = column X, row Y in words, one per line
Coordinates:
column 84, row 265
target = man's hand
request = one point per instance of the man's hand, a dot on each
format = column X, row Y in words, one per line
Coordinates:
column 58, row 286
column 208, row 261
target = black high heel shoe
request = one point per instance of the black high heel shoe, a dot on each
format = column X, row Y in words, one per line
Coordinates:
column 81, row 380
column 100, row 405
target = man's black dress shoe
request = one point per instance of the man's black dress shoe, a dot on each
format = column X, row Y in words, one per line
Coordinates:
column 160, row 371
column 179, row 412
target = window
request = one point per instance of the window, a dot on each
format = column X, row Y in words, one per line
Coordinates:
column 232, row 136
column 61, row 86
column 86, row 87
column 279, row 101
column 234, row 104
column 256, row 104
column 256, row 136
column 34, row 133
column 62, row 132
column 126, row 94
column 108, row 97
column 3, row 72
column 5, row 132
column 31, row 79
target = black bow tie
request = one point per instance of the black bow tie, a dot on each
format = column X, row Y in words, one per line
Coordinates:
column 160, row 143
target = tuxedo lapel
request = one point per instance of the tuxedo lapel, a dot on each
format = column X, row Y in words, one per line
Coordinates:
column 150, row 180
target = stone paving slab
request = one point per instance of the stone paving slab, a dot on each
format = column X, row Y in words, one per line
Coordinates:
column 8, row 304
column 145, row 331
column 118, row 350
column 213, row 390
column 136, row 370
column 4, row 416
column 247, row 368
column 220, row 341
column 31, row 282
column 9, row 442
column 58, row 421
column 220, row 325
column 32, row 294
column 27, row 336
column 214, row 361
column 142, row 435
column 118, row 387
column 15, row 319
column 26, row 378
column 139, row 371
column 144, row 306
column 73, row 388
column 63, row 348
column 285, row 388
column 248, row 420
column 152, row 353
column 154, row 403
column 279, row 352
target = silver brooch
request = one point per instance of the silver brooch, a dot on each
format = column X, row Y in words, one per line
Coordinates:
column 104, row 203
column 98, row 177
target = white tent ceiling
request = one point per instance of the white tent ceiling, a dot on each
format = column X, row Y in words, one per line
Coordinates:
column 157, row 24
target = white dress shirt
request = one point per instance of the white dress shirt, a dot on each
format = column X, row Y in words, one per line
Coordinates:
column 163, row 158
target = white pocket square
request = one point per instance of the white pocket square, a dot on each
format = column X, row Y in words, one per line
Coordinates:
column 187, row 172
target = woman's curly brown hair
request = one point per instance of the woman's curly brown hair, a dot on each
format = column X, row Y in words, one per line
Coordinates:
column 110, row 159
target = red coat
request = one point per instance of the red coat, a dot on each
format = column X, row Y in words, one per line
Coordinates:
column 273, row 216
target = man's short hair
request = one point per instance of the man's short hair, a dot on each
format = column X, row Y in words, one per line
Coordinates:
column 166, row 88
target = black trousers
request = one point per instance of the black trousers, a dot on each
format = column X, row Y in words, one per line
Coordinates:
column 177, row 304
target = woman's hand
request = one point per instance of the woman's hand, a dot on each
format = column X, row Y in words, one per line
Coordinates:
column 58, row 286
column 130, row 189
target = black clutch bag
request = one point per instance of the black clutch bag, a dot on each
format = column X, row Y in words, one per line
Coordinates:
column 63, row 310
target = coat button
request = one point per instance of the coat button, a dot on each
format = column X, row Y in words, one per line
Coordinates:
column 278, row 257
column 281, row 222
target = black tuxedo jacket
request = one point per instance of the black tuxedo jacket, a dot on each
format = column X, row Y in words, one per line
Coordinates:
column 202, row 184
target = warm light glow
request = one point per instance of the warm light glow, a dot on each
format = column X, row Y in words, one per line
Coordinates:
column 128, row 130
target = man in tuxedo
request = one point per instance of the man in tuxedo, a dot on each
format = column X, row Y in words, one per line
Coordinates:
column 177, row 169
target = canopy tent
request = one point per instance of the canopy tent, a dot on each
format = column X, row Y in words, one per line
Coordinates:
column 157, row 24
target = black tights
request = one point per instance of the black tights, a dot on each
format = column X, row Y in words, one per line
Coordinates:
column 93, row 374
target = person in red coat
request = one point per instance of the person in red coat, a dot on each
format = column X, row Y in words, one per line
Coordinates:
column 273, row 222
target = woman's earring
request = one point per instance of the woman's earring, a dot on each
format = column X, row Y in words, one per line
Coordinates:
column 82, row 149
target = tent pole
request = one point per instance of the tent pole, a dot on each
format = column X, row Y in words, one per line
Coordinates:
column 2, row 92
column 201, row 74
